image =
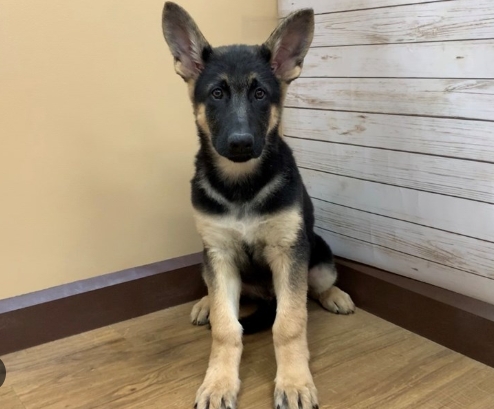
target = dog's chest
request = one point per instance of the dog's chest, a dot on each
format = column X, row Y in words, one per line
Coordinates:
column 280, row 229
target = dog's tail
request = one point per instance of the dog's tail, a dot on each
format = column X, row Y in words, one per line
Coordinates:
column 261, row 319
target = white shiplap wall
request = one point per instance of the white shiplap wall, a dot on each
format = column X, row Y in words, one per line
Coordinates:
column 392, row 124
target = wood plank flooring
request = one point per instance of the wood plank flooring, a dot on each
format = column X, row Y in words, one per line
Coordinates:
column 158, row 361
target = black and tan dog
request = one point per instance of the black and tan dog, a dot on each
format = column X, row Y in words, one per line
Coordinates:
column 252, row 211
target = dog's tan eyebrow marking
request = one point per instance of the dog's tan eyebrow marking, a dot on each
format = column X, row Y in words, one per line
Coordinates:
column 224, row 77
column 221, row 80
column 251, row 78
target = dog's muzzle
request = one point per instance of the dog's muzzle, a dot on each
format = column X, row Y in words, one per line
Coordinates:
column 240, row 147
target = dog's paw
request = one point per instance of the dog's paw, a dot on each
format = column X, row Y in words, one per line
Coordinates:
column 200, row 312
column 337, row 301
column 297, row 393
column 218, row 392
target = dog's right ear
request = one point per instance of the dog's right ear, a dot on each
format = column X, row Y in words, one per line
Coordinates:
column 187, row 44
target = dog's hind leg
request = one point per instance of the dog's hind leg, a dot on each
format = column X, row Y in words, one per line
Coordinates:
column 322, row 276
column 321, row 288
column 200, row 312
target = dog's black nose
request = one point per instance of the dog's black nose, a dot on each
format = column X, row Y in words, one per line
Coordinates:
column 241, row 143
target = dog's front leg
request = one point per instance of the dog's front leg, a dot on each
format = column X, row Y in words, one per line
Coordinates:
column 221, row 383
column 294, row 387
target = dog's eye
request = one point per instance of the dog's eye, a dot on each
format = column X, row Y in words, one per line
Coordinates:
column 217, row 93
column 260, row 93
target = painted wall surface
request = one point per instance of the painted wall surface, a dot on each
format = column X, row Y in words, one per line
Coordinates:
column 97, row 136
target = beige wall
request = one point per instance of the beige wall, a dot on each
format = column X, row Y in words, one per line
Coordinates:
column 97, row 136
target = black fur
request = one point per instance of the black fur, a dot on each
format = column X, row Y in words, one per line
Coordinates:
column 260, row 320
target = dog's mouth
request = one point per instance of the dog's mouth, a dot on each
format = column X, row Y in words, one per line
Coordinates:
column 241, row 157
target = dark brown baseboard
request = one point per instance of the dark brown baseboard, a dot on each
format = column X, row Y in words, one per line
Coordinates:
column 455, row 321
column 458, row 322
column 70, row 309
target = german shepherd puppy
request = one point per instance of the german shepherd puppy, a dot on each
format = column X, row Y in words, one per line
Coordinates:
column 251, row 208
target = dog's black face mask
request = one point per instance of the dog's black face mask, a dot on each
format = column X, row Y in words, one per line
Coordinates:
column 238, row 96
column 237, row 90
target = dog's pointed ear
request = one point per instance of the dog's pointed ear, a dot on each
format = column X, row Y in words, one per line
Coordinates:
column 186, row 42
column 289, row 44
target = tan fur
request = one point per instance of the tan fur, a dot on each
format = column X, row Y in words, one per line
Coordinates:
column 211, row 192
column 274, row 118
column 191, row 84
column 283, row 90
column 293, row 377
column 187, row 75
column 321, row 288
column 223, row 237
column 222, row 383
column 181, row 70
column 268, row 189
column 234, row 171
column 227, row 232
column 200, row 312
column 336, row 301
column 225, row 77
column 201, row 119
column 293, row 74
column 321, row 281
column 321, row 278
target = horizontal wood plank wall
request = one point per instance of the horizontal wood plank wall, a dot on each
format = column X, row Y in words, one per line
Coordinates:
column 412, row 23
column 392, row 125
column 334, row 6
column 455, row 59
column 470, row 99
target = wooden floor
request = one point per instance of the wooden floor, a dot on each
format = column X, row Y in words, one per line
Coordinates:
column 158, row 361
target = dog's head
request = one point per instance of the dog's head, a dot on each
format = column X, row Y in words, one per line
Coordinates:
column 237, row 91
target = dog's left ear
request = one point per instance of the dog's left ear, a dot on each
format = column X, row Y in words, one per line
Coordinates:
column 289, row 44
column 186, row 42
